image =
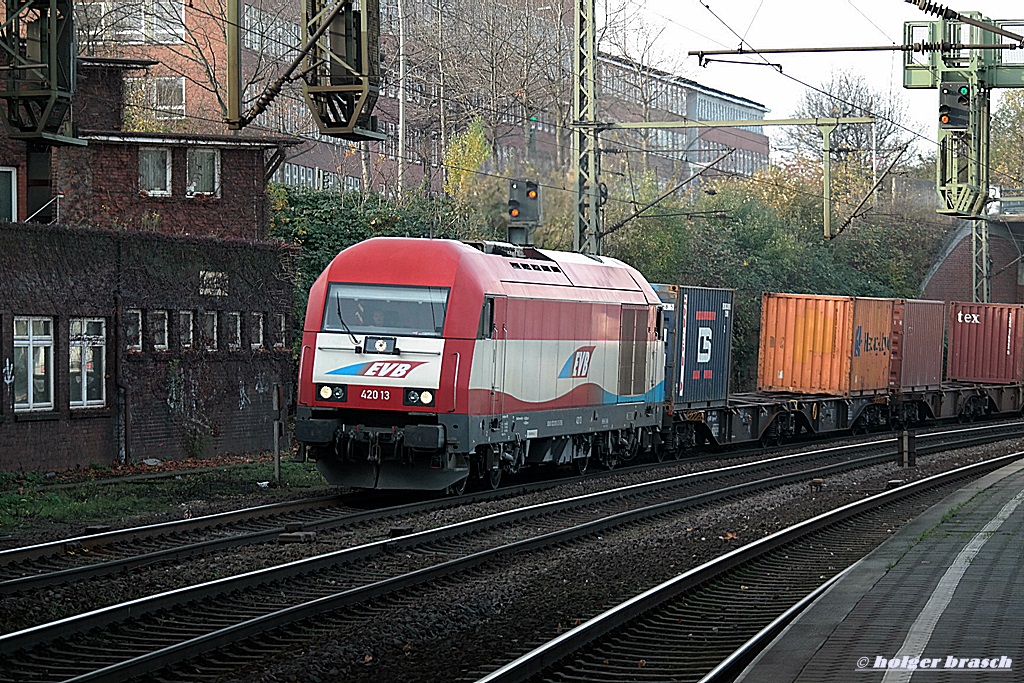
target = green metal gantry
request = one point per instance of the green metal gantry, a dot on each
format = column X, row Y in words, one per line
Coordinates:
column 340, row 60
column 962, row 168
column 38, row 51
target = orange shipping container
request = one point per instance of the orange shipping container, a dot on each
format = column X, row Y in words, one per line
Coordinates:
column 835, row 345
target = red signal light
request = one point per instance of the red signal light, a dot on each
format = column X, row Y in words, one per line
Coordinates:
column 513, row 212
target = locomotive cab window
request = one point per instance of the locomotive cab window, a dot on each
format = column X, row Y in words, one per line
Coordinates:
column 385, row 309
column 486, row 330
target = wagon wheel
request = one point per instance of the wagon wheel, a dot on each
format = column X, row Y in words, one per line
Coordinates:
column 458, row 488
column 772, row 436
column 860, row 426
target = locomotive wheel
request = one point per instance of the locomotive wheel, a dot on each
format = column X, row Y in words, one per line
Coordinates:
column 605, row 455
column 632, row 446
column 582, row 464
column 494, row 477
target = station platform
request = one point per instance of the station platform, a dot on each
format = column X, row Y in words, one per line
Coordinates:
column 941, row 600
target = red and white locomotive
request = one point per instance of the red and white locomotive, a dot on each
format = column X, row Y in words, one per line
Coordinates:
column 426, row 361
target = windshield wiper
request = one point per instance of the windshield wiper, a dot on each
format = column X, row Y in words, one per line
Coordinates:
column 341, row 319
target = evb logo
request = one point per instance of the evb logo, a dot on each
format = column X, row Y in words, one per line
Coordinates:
column 577, row 365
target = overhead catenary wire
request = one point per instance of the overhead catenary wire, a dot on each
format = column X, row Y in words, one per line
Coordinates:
column 899, row 125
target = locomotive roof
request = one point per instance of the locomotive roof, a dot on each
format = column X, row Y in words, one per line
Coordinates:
column 494, row 266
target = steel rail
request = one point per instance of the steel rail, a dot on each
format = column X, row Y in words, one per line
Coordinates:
column 542, row 658
column 68, row 550
column 217, row 638
column 105, row 617
column 223, row 637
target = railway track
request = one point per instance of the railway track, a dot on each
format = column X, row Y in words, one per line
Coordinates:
column 100, row 554
column 273, row 605
column 708, row 623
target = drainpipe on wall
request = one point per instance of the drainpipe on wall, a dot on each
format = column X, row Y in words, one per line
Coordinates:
column 123, row 429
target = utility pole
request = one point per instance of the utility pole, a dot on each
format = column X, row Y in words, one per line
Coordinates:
column 587, row 232
column 440, row 93
column 825, row 125
column 401, row 97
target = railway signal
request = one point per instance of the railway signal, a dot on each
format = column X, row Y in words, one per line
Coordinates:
column 954, row 106
column 524, row 202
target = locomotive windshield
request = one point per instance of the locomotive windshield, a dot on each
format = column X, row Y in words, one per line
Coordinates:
column 385, row 309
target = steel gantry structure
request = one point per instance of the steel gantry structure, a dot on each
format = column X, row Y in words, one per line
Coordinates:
column 965, row 77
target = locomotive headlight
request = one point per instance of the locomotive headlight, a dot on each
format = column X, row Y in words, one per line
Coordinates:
column 333, row 392
column 418, row 397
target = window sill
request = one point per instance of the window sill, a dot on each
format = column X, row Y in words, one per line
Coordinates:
column 86, row 413
column 36, row 416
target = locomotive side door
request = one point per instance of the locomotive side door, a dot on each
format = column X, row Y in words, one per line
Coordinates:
column 499, row 335
column 634, row 332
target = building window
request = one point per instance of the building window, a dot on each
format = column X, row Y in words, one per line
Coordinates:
column 279, row 341
column 158, row 325
column 153, row 21
column 185, row 331
column 234, row 330
column 133, row 329
column 203, row 173
column 210, row 330
column 123, row 22
column 256, row 331
column 155, row 172
column 87, row 343
column 33, row 363
column 161, row 98
column 8, row 193
column 268, row 34
column 166, row 19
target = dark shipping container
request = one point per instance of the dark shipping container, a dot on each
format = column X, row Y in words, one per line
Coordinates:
column 985, row 343
column 698, row 356
column 918, row 338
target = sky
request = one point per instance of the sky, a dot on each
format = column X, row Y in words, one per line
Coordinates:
column 689, row 25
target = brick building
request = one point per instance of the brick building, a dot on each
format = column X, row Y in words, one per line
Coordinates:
column 149, row 320
column 120, row 346
column 528, row 123
column 175, row 183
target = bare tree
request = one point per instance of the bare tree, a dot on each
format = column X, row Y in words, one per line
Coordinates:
column 848, row 93
column 189, row 41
